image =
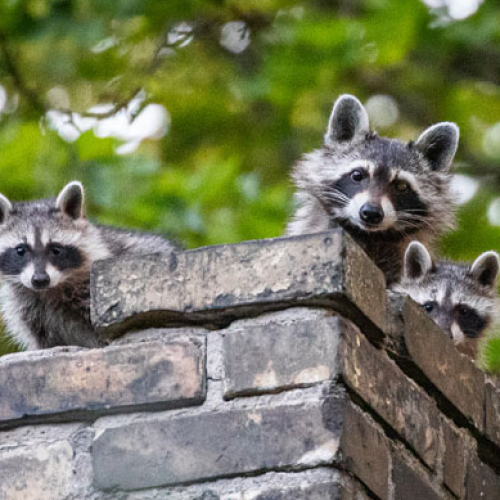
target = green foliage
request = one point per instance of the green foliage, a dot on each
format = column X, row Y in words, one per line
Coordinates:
column 490, row 355
column 237, row 120
column 474, row 233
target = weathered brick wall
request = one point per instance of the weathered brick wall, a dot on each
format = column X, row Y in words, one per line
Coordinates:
column 295, row 379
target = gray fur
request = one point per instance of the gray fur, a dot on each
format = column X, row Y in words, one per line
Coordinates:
column 451, row 284
column 485, row 269
column 438, row 144
column 417, row 262
column 60, row 315
column 71, row 200
column 347, row 142
column 348, row 120
column 5, row 208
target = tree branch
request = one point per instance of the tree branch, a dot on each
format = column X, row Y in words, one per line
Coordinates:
column 104, row 114
column 202, row 28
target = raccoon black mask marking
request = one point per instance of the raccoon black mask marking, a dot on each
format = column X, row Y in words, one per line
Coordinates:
column 461, row 298
column 46, row 250
column 382, row 191
column 40, row 266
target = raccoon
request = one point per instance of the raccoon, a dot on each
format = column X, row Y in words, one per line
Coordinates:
column 46, row 250
column 461, row 298
column 382, row 191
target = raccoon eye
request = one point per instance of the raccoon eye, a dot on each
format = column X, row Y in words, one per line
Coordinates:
column 402, row 186
column 21, row 250
column 429, row 306
column 463, row 310
column 358, row 175
column 56, row 250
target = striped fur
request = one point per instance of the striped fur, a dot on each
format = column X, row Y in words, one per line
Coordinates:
column 408, row 183
column 47, row 248
column 462, row 298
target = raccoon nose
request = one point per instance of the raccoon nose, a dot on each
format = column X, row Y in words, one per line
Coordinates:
column 371, row 214
column 40, row 280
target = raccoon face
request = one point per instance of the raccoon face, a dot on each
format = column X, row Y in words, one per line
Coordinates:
column 40, row 266
column 373, row 184
column 41, row 241
column 461, row 299
column 375, row 197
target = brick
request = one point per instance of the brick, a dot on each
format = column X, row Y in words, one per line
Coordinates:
column 395, row 340
column 37, row 463
column 312, row 492
column 313, row 484
column 365, row 451
column 214, row 285
column 67, row 382
column 34, row 435
column 492, row 412
column 43, row 473
column 352, row 490
column 324, row 491
column 455, row 458
column 293, row 348
column 159, row 334
column 169, row 450
column 482, row 482
column 452, row 373
column 334, row 485
column 408, row 484
column 397, row 399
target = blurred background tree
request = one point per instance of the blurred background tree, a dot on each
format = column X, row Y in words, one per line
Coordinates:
column 184, row 117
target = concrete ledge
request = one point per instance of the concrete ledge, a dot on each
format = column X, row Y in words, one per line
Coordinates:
column 215, row 285
column 67, row 383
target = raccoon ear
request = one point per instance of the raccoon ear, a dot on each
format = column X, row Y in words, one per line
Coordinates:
column 348, row 120
column 439, row 144
column 5, row 208
column 417, row 261
column 485, row 269
column 71, row 200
